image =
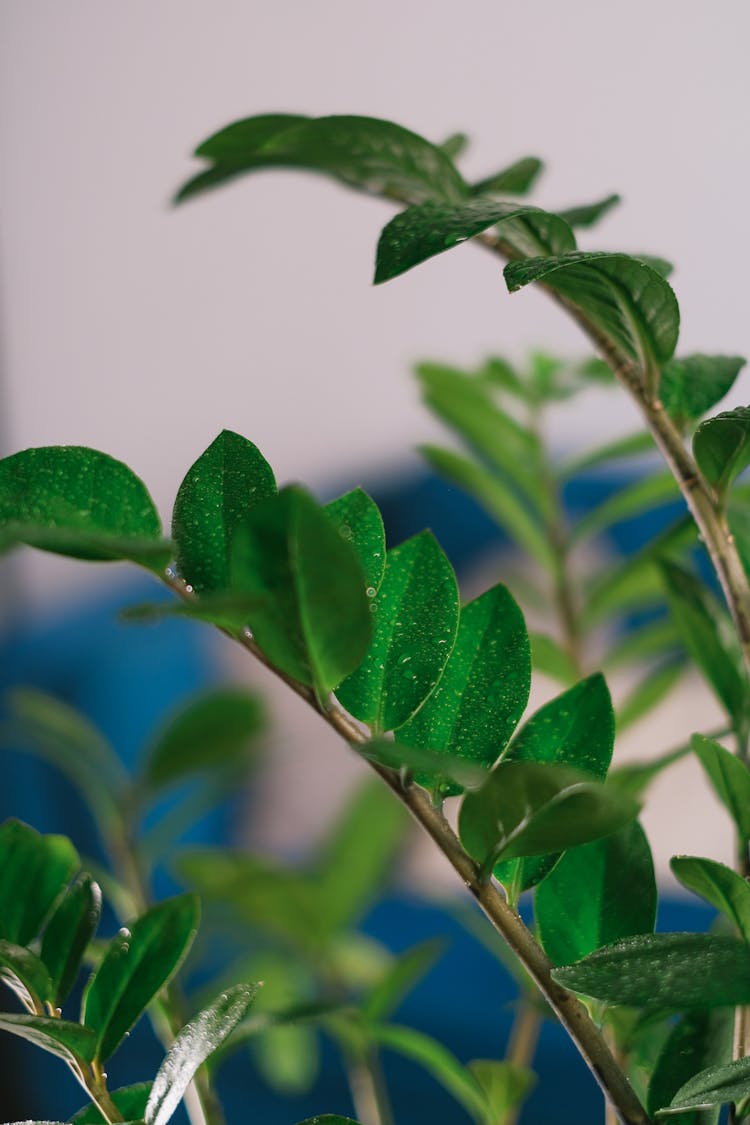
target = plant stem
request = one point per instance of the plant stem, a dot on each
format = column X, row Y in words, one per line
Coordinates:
column 366, row 1086
column 524, row 1037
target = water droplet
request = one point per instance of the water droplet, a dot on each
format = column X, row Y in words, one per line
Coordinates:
column 374, row 607
column 371, row 591
column 404, row 658
column 188, row 588
column 345, row 531
column 439, row 640
column 124, row 932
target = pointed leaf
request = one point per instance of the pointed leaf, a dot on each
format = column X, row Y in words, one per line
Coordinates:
column 640, row 496
column 68, row 933
column 226, row 482
column 227, row 610
column 505, row 1085
column 588, row 214
column 395, row 755
column 550, row 658
column 454, row 145
column 635, row 778
column 416, row 617
column 67, row 1040
column 690, row 386
column 138, row 963
column 25, row 974
column 516, row 179
column 34, row 871
column 400, row 978
column 484, row 689
column 633, row 445
column 672, row 971
column 196, row 1041
column 699, row 1040
column 427, row 229
column 716, row 1085
column 130, row 1100
column 721, row 446
column 359, row 521
column 717, row 884
column 730, row 779
column 316, row 623
column 648, row 693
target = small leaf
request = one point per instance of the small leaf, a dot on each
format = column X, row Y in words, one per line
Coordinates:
column 227, row 610
column 427, row 229
column 34, row 871
column 25, row 974
column 516, row 179
column 358, row 519
column 550, row 658
column 211, row 733
column 672, row 971
column 635, row 778
column 67, row 1040
column 400, row 978
column 717, row 884
column 416, row 618
column 315, row 625
column 699, row 1040
column 196, row 1041
column 130, row 1100
column 730, row 779
column 716, row 1085
column 454, row 145
column 633, row 445
column 395, row 755
column 648, row 693
column 79, row 502
column 68, row 933
column 588, row 214
column 690, row 386
column 226, row 482
column 640, row 496
column 721, row 446
column 484, row 689
column 597, row 894
column 439, row 1062
column 138, row 963
column 505, row 1085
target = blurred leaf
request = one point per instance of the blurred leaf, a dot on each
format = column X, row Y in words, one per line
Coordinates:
column 721, row 446
column 653, row 638
column 716, row 1085
column 358, row 519
column 550, row 658
column 730, row 779
column 34, row 871
column 454, row 145
column 63, row 1038
column 226, row 482
column 416, row 617
column 329, row 1119
column 651, row 690
column 505, row 1085
column 405, row 972
column 690, row 386
column 588, row 214
column 23, row 972
column 632, row 445
column 517, row 179
column 642, row 495
column 68, row 933
column 700, row 1039
column 396, row 755
column 717, row 884
column 285, row 1044
column 438, row 1062
column 130, row 1100
column 633, row 779
column 227, row 610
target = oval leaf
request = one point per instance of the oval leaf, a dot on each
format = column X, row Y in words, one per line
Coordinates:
column 34, row 871
column 730, row 779
column 690, row 386
column 701, row 1039
column 721, row 446
column 68, row 933
column 69, row 1041
column 716, row 1085
column 358, row 519
column 717, row 884
column 25, row 974
column 517, row 179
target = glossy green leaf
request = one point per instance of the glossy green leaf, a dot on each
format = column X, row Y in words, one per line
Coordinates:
column 130, row 1100
column 79, row 502
column 717, row 884
column 692, row 385
column 68, row 933
column 395, row 755
column 629, row 303
column 226, row 482
column 530, row 808
column 359, row 521
column 701, row 1039
column 651, row 690
column 363, row 152
column 422, row 231
column 34, row 871
column 721, row 446
column 484, row 689
column 401, row 976
column 707, row 633
column 505, row 1086
column 587, row 214
column 439, row 1062
column 716, row 1085
column 138, row 963
column 25, row 974
column 673, row 971
column 517, row 179
column 550, row 658
column 597, row 894
column 640, row 496
column 63, row 1038
column 415, row 615
column 316, row 623
column 212, row 733
column 730, row 779
column 196, row 1041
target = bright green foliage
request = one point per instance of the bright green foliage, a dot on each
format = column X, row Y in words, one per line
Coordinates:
column 484, row 689
column 130, row 1100
column 138, row 963
column 730, row 779
column 406, row 971
column 587, row 214
column 226, row 482
column 548, row 656
column 436, row 1059
column 700, row 1039
column 716, row 1085
column 63, row 1038
column 34, row 871
column 672, row 971
column 597, row 894
column 359, row 521
column 68, row 933
column 314, row 622
column 517, row 179
column 717, row 884
column 690, row 386
column 505, row 1085
column 79, row 502
column 721, row 446
column 415, row 615
column 287, row 1051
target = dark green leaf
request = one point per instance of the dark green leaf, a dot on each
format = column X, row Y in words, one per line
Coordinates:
column 716, row 1085
column 717, row 884
column 77, row 501
column 454, row 145
column 421, row 232
column 416, row 619
column 196, row 1041
column 25, row 974
column 504, row 1084
column 210, row 734
column 63, row 1038
column 516, row 179
column 396, row 755
column 550, row 658
column 34, row 871
column 138, row 963
column 738, row 516
column 439, row 1062
column 484, row 689
column 648, row 693
column 700, row 1039
column 673, row 971
column 692, row 385
column 721, row 446
column 597, row 894
column 730, row 779
column 589, row 213
column 130, row 1100
column 629, row 303
column 400, row 978
column 316, row 624
column 359, row 521
column 227, row 610
column 363, row 152
column 68, row 933
column 226, row 482
column 640, row 496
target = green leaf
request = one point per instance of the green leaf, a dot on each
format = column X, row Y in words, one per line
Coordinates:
column 700, row 1039
column 708, row 636
column 226, row 482
column 281, row 1037
column 642, row 495
column 416, row 618
column 130, row 1100
column 427, row 229
column 587, row 214
column 227, row 610
column 363, row 152
column 454, row 145
column 730, row 779
column 67, row 1040
column 329, row 1119
column 628, row 302
column 690, row 386
column 139, row 962
column 717, row 884
column 648, row 693
column 484, row 689
column 517, row 179
column 196, row 1041
column 315, row 625
column 359, row 521
column 532, row 808
column 212, row 733
column 34, row 871
column 716, row 1085
column 721, row 446
column 68, row 933
column 79, row 502
column 597, row 894
column 400, row 978
column 396, row 755
column 550, row 658
column 635, row 778
column 652, row 639
column 672, row 971
column 25, row 974
column 632, row 445
column 504, row 1084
